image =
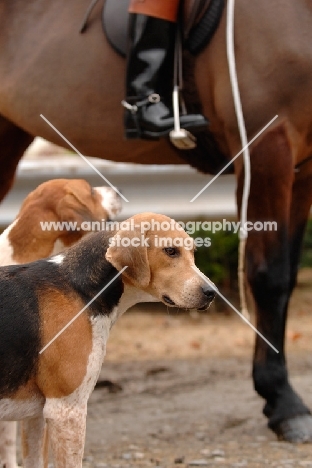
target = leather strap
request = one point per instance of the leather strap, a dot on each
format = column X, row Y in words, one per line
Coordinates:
column 164, row 9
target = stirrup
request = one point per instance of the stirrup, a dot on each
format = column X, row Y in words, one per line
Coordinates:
column 179, row 137
column 182, row 139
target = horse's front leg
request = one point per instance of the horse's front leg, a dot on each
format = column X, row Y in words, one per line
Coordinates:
column 13, row 143
column 298, row 428
column 270, row 273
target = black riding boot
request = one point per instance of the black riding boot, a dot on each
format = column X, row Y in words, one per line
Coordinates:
column 149, row 84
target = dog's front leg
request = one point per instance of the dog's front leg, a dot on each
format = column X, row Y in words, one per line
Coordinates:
column 8, row 444
column 67, row 430
column 34, row 443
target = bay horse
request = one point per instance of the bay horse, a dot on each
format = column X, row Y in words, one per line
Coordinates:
column 76, row 81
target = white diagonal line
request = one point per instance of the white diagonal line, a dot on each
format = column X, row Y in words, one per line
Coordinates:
column 231, row 161
column 82, row 310
column 83, row 157
column 234, row 308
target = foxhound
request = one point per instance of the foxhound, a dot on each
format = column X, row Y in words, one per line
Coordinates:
column 55, row 318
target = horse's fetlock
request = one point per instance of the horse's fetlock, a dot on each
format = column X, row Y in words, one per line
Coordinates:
column 269, row 380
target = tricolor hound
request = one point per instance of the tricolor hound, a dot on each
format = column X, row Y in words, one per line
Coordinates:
column 41, row 381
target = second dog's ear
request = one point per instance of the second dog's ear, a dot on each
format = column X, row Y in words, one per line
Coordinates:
column 76, row 203
column 127, row 249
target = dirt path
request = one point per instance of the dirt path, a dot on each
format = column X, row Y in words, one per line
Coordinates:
column 187, row 397
column 189, row 410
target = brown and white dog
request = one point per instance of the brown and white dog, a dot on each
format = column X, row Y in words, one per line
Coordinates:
column 59, row 200
column 39, row 299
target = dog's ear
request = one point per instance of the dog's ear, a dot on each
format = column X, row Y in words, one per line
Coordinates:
column 74, row 205
column 68, row 210
column 127, row 249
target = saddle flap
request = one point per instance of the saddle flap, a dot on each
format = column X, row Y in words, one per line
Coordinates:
column 193, row 11
column 115, row 20
column 115, row 24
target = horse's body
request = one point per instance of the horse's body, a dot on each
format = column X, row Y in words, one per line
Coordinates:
column 76, row 81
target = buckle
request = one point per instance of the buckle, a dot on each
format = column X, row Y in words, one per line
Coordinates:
column 153, row 98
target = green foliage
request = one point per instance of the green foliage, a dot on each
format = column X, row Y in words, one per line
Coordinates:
column 306, row 257
column 219, row 261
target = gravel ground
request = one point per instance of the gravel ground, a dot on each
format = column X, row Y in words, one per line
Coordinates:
column 187, row 413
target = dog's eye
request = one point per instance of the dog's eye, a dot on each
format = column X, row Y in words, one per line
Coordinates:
column 171, row 251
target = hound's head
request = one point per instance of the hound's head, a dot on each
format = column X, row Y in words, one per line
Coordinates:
column 159, row 257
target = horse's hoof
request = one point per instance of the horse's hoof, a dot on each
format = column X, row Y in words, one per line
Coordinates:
column 296, row 430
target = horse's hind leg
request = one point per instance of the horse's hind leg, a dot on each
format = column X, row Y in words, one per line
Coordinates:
column 299, row 428
column 271, row 274
column 13, row 143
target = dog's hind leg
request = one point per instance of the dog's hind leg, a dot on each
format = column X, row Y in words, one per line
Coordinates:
column 8, row 444
column 34, row 443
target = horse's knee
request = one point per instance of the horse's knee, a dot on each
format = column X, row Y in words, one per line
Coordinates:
column 269, row 283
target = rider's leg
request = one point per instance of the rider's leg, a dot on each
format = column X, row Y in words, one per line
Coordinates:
column 148, row 104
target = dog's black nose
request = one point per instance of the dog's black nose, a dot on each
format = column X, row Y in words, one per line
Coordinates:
column 209, row 292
